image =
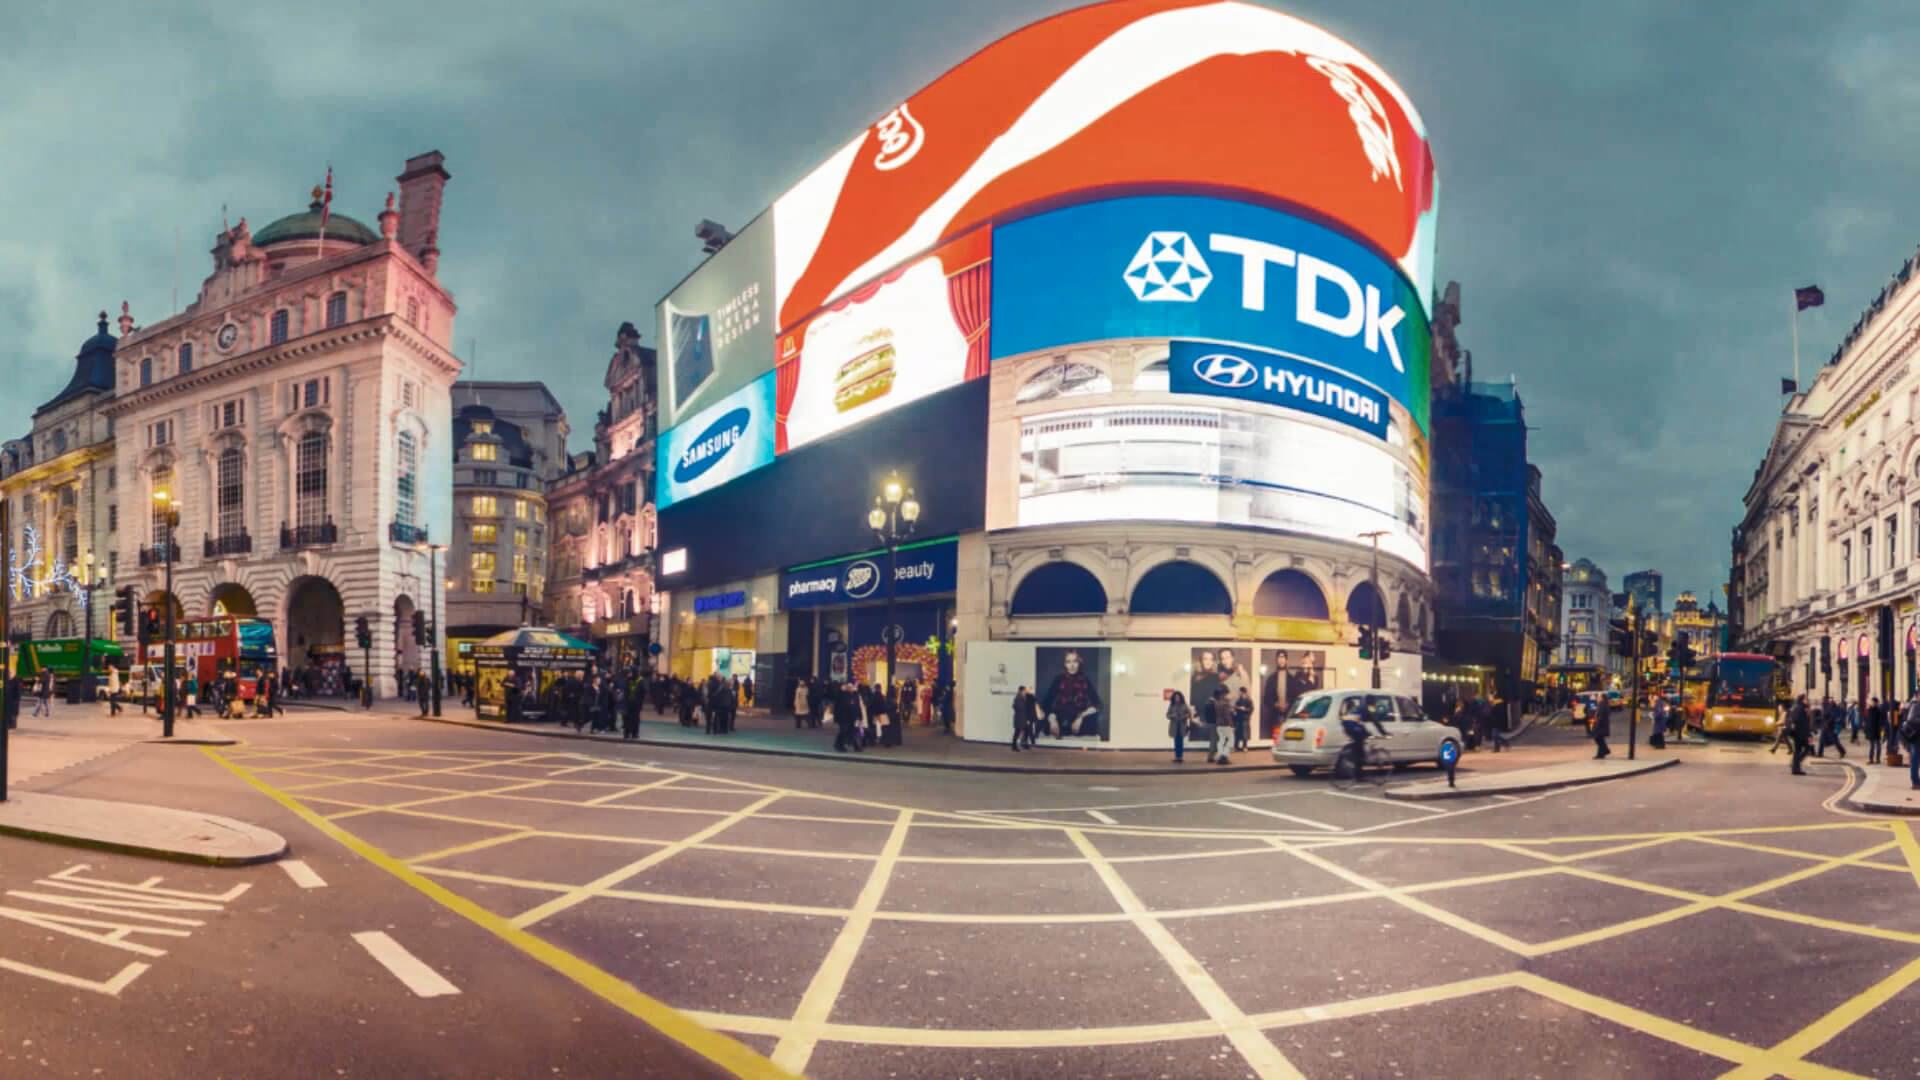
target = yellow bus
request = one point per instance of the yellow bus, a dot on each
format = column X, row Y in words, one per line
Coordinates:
column 1733, row 694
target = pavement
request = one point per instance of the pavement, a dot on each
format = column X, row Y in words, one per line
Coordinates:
column 43, row 749
column 1540, row 778
column 1884, row 789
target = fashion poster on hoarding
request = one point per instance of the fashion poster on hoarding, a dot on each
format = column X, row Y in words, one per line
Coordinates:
column 1219, row 666
column 1285, row 676
column 1074, row 683
column 916, row 331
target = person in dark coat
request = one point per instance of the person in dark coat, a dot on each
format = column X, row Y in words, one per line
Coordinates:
column 846, row 719
column 630, row 713
column 1602, row 726
column 1800, row 731
column 1876, row 724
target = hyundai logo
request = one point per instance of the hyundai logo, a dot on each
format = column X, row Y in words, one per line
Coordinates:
column 707, row 448
column 862, row 578
column 1226, row 370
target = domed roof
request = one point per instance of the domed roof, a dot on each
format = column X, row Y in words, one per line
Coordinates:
column 92, row 367
column 307, row 227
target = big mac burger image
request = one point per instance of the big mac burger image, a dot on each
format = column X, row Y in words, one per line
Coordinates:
column 868, row 375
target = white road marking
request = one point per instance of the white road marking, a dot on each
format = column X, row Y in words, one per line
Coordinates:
column 1103, row 789
column 1101, row 818
column 302, row 874
column 1277, row 814
column 405, row 966
column 1398, row 804
column 1508, row 798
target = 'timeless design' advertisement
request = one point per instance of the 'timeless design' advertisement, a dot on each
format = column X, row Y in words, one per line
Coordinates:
column 724, row 441
column 716, row 328
column 1209, row 269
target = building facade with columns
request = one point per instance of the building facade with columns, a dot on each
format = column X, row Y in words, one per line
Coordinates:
column 297, row 416
column 604, row 522
column 61, row 485
column 1827, row 554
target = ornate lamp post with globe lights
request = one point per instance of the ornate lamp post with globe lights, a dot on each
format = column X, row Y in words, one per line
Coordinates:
column 892, row 519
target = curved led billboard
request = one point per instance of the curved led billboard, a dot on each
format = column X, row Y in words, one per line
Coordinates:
column 1131, row 95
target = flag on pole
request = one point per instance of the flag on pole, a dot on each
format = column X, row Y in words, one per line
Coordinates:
column 1803, row 298
column 1789, row 386
column 326, row 207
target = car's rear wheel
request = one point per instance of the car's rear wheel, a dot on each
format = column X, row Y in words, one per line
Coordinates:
column 1301, row 770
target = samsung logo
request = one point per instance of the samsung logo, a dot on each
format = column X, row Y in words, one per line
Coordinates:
column 711, row 445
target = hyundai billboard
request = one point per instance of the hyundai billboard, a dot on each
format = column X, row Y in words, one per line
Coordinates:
column 1178, row 266
column 722, row 442
column 716, row 328
column 1132, row 95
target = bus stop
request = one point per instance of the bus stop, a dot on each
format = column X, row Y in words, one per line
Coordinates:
column 538, row 657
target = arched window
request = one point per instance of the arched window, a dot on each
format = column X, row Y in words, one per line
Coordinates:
column 1180, row 588
column 310, row 480
column 146, row 371
column 186, row 357
column 59, row 625
column 277, row 327
column 1063, row 379
column 70, row 542
column 162, row 485
column 336, row 310
column 1154, row 377
column 1364, row 606
column 231, row 493
column 405, row 471
column 1403, row 617
column 1289, row 594
column 1059, row 588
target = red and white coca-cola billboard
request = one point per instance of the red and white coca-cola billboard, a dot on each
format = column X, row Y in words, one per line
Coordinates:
column 1132, row 96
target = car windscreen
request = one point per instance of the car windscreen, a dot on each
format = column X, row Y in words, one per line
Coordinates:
column 1311, row 708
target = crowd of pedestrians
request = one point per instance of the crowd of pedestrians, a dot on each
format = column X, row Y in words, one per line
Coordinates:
column 1811, row 730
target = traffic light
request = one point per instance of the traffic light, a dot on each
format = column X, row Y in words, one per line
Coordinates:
column 1383, row 646
column 1826, row 656
column 123, row 611
column 1366, row 643
column 419, row 628
column 363, row 633
column 150, row 628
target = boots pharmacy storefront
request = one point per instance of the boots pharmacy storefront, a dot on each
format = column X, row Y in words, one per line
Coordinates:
column 836, row 614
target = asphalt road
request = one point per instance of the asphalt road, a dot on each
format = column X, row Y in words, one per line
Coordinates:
column 582, row 902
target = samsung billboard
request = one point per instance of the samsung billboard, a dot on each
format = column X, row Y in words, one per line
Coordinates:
column 1195, row 268
column 726, row 440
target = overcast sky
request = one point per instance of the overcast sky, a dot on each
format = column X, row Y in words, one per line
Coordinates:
column 1630, row 191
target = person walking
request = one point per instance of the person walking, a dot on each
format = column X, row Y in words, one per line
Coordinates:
column 1876, row 726
column 43, row 694
column 1242, row 719
column 113, row 691
column 193, row 696
column 1179, row 716
column 1857, row 719
column 1830, row 731
column 1602, row 728
column 800, row 712
column 630, row 713
column 1218, row 716
column 846, row 718
column 1658, row 737
column 1799, row 730
column 1910, row 734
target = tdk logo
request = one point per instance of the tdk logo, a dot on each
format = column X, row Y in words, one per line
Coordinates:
column 711, row 445
column 1226, row 370
column 1168, row 267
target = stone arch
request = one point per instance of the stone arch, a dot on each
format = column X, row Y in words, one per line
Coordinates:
column 316, row 620
column 231, row 598
column 1058, row 587
column 1290, row 594
column 1180, row 587
column 1148, row 558
column 1366, row 605
column 407, row 651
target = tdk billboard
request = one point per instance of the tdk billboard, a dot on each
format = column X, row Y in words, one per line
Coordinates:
column 1217, row 271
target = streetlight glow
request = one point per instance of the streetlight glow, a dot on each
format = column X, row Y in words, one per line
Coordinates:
column 876, row 518
column 910, row 510
column 892, row 490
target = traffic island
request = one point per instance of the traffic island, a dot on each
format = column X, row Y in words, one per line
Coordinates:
column 1518, row 781
column 1881, row 789
column 137, row 829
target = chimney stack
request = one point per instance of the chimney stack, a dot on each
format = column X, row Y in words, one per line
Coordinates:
column 420, row 186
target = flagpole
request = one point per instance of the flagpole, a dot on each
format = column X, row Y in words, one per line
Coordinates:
column 1796, row 338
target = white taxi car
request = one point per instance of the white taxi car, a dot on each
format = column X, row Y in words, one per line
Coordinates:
column 1312, row 737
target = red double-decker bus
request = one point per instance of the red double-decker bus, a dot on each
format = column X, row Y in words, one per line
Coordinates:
column 219, row 644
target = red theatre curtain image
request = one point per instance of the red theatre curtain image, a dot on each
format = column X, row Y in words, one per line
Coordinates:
column 786, row 383
column 969, row 266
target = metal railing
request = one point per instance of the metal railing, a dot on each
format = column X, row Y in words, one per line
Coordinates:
column 237, row 544
column 301, row 536
column 159, row 554
column 406, row 534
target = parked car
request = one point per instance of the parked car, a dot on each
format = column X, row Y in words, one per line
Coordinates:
column 1311, row 735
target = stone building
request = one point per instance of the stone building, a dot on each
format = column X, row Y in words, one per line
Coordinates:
column 604, row 523
column 1586, row 656
column 297, row 413
column 509, row 443
column 62, row 487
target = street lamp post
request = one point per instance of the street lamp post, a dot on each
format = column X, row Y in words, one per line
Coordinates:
column 893, row 517
column 88, row 583
column 1377, row 611
column 170, row 513
column 433, row 625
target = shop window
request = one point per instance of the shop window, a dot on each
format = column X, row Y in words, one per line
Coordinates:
column 1180, row 588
